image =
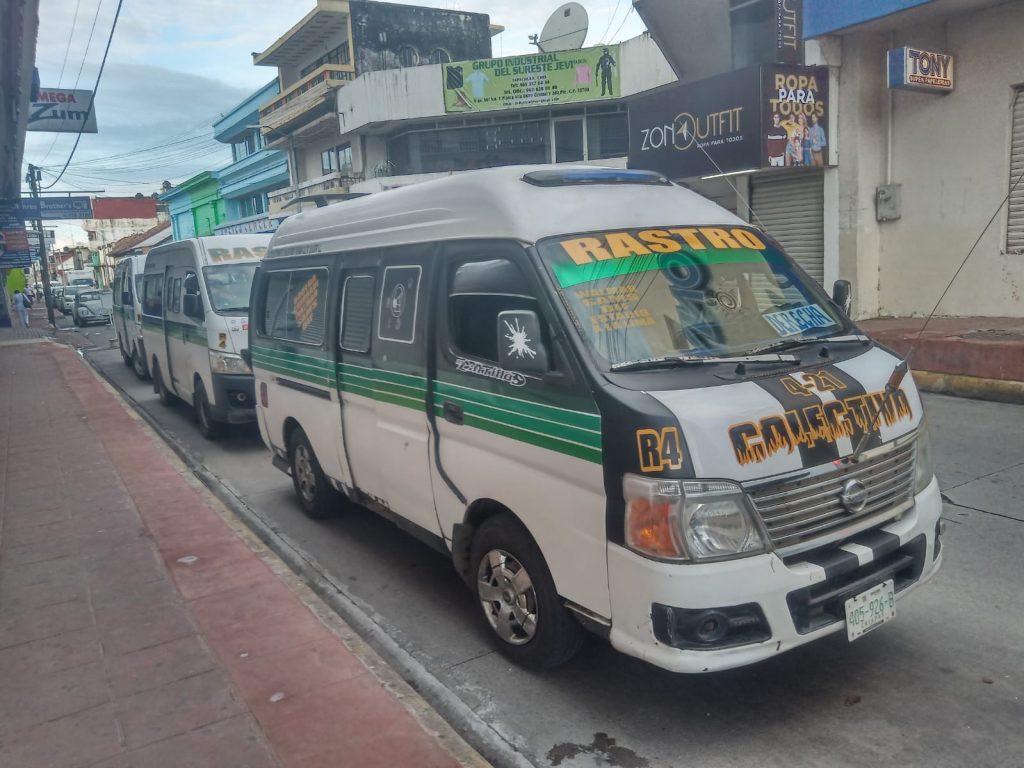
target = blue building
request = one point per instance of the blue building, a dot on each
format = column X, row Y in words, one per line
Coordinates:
column 254, row 170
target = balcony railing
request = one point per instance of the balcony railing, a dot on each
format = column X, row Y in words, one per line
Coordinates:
column 304, row 94
column 339, row 181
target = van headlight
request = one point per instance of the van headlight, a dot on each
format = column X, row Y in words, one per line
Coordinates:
column 689, row 520
column 923, row 472
column 227, row 362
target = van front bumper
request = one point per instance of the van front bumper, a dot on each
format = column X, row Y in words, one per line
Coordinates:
column 778, row 605
column 234, row 397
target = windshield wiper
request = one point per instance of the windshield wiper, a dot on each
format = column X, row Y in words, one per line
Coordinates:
column 681, row 360
column 232, row 309
column 778, row 346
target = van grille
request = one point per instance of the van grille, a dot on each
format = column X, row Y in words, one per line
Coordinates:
column 807, row 509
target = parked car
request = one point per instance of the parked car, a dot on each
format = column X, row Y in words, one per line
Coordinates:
column 67, row 304
column 93, row 306
column 56, row 296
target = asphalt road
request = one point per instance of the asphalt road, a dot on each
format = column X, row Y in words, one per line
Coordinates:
column 942, row 685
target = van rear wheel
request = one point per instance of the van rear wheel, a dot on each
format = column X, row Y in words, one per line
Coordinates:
column 127, row 358
column 518, row 598
column 139, row 364
column 317, row 497
column 166, row 398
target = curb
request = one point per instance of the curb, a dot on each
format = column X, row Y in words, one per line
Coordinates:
column 480, row 735
column 997, row 390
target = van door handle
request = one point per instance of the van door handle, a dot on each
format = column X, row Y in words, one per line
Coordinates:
column 453, row 412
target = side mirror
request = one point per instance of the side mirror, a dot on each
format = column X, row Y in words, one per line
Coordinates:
column 126, row 297
column 519, row 342
column 842, row 295
column 192, row 306
column 246, row 355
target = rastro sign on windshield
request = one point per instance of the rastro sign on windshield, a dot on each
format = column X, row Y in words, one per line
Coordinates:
column 611, row 254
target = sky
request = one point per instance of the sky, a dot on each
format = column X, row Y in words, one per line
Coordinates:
column 175, row 67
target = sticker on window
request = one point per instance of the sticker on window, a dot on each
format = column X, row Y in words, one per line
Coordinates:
column 306, row 301
column 791, row 322
column 398, row 298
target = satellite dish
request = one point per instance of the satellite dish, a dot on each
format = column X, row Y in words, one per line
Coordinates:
column 565, row 30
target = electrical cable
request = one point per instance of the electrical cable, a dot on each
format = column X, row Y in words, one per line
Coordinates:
column 624, row 20
column 60, row 77
column 611, row 20
column 95, row 91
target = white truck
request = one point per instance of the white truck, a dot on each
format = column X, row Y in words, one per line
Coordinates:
column 80, row 277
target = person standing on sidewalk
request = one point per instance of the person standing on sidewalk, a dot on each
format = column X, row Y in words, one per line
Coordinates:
column 20, row 307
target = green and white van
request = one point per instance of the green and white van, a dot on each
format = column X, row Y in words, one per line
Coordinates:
column 615, row 406
column 127, row 288
column 195, row 323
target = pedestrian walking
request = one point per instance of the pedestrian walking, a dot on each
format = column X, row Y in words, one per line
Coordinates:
column 21, row 304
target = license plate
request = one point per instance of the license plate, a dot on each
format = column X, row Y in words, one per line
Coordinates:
column 870, row 609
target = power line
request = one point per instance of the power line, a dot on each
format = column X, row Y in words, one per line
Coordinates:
column 95, row 91
column 611, row 20
column 624, row 19
column 60, row 77
column 88, row 43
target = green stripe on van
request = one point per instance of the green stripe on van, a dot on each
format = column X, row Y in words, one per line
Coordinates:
column 572, row 432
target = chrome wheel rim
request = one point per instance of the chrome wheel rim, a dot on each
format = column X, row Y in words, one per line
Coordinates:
column 304, row 474
column 507, row 597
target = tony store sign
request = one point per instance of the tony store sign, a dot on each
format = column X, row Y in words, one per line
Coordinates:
column 761, row 117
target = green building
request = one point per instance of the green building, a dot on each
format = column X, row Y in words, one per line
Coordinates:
column 195, row 206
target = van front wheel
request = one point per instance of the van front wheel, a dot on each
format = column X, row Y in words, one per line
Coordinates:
column 208, row 428
column 317, row 497
column 518, row 598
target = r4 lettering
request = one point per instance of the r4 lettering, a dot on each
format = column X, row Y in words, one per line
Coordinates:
column 659, row 449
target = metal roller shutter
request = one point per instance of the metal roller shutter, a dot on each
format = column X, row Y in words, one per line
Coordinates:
column 790, row 208
column 1015, row 217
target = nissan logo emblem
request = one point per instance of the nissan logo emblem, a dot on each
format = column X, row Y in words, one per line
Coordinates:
column 854, row 496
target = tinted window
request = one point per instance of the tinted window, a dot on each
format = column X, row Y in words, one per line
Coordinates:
column 175, row 294
column 153, row 295
column 477, row 292
column 357, row 313
column 295, row 306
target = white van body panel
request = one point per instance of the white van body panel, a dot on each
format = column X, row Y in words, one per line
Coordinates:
column 128, row 317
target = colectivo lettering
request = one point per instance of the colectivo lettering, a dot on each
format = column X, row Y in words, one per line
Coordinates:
column 620, row 245
column 756, row 441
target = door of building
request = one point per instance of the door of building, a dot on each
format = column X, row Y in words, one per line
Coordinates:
column 569, row 142
column 790, row 208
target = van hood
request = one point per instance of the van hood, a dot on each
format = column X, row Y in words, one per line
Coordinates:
column 774, row 424
column 231, row 335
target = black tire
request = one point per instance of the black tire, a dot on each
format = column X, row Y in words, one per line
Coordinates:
column 166, row 398
column 125, row 357
column 138, row 364
column 316, row 496
column 503, row 548
column 208, row 428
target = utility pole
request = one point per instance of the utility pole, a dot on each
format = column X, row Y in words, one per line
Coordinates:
column 33, row 178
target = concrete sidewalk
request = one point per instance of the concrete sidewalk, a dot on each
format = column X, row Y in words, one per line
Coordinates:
column 141, row 626
column 972, row 356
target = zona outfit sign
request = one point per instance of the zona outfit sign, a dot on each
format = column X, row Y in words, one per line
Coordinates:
column 563, row 77
column 762, row 117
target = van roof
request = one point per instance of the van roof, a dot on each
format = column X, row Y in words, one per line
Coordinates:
column 496, row 203
column 242, row 248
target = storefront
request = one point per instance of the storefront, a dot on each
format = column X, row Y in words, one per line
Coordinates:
column 755, row 140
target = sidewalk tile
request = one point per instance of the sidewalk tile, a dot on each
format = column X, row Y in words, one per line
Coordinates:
column 37, row 533
column 132, row 628
column 51, row 654
column 231, row 743
column 176, row 708
column 159, row 592
column 291, row 627
column 159, row 665
column 15, row 519
column 227, row 613
column 75, row 741
column 203, row 580
column 31, row 700
column 43, row 622
column 40, row 552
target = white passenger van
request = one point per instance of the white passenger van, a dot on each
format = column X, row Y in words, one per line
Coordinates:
column 612, row 403
column 195, row 323
column 127, row 289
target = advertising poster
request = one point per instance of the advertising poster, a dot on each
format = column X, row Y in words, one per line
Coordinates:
column 540, row 79
column 61, row 110
column 14, row 246
column 795, row 121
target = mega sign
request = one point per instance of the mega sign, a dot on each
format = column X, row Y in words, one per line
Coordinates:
column 913, row 69
column 60, row 110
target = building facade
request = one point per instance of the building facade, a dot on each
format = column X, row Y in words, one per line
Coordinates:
column 195, row 206
column 115, row 218
column 254, row 172
column 331, row 46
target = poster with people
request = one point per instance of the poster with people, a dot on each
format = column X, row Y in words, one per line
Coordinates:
column 795, row 116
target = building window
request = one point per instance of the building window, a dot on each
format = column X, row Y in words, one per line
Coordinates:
column 467, row 148
column 1015, row 213
column 339, row 55
column 607, row 136
column 328, row 161
column 440, row 56
column 407, row 56
column 345, row 159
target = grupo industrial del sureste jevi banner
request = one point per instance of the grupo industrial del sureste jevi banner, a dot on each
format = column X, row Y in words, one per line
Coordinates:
column 538, row 79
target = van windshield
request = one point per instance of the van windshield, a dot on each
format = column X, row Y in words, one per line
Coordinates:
column 228, row 287
column 685, row 291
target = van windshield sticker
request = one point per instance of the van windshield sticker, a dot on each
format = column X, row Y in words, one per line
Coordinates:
column 612, row 254
column 235, row 254
column 792, row 322
column 305, row 302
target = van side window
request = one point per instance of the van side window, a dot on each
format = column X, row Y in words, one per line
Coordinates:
column 153, row 295
column 357, row 313
column 295, row 306
column 191, row 285
column 477, row 292
column 175, row 294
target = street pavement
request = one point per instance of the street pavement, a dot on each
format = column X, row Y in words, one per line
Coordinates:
column 942, row 685
column 142, row 626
